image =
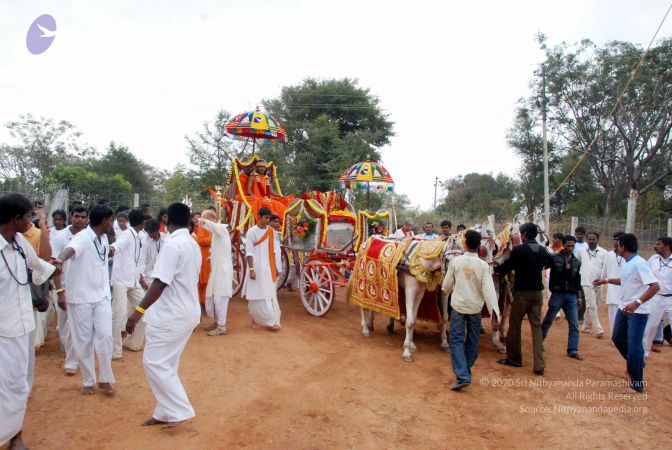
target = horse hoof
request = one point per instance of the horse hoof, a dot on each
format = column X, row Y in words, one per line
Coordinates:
column 445, row 348
column 414, row 349
column 390, row 328
column 366, row 334
column 407, row 358
column 502, row 350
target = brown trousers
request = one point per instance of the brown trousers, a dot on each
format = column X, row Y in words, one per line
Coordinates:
column 530, row 303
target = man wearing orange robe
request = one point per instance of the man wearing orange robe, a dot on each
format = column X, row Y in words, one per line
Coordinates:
column 260, row 193
column 203, row 238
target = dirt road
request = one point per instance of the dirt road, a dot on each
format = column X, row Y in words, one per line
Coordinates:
column 318, row 384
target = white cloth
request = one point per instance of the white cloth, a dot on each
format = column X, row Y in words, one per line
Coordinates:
column 612, row 269
column 149, row 254
column 216, row 307
column 578, row 246
column 220, row 282
column 65, row 337
column 60, row 241
column 127, row 249
column 14, row 389
column 469, row 281
column 116, row 228
column 88, row 278
column 178, row 265
column 399, row 234
column 124, row 301
column 161, row 360
column 16, row 317
column 262, row 287
column 660, row 306
column 42, row 321
column 592, row 294
column 636, row 275
column 662, row 270
column 91, row 329
column 31, row 360
column 265, row 312
column 592, row 263
column 612, row 309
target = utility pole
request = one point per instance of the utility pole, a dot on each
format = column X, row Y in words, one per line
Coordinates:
column 547, row 203
column 436, row 184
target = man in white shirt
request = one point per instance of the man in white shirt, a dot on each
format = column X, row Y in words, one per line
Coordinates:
column 88, row 299
column 125, row 279
column 638, row 286
column 469, row 281
column 173, row 311
column 151, row 246
column 16, row 319
column 220, row 283
column 80, row 220
column 405, row 231
column 263, row 261
column 612, row 269
column 592, row 262
column 661, row 304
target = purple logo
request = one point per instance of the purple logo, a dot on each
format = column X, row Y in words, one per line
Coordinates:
column 41, row 34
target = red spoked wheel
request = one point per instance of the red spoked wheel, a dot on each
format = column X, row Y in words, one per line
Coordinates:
column 317, row 288
column 283, row 274
column 239, row 268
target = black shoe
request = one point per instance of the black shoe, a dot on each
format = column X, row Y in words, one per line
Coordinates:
column 539, row 372
column 507, row 362
column 459, row 385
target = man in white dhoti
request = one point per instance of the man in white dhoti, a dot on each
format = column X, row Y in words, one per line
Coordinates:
column 220, row 282
column 125, row 280
column 173, row 311
column 80, row 220
column 592, row 262
column 88, row 299
column 661, row 304
column 263, row 259
column 612, row 269
column 16, row 320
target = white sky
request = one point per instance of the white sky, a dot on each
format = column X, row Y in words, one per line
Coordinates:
column 145, row 73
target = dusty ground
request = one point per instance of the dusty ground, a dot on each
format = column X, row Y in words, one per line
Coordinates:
column 318, row 384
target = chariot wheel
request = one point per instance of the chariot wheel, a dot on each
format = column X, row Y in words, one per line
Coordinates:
column 239, row 269
column 284, row 270
column 317, row 288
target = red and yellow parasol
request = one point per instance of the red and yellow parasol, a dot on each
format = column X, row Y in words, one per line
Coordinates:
column 258, row 126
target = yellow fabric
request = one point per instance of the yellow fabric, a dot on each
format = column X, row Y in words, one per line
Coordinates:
column 33, row 236
column 374, row 277
column 426, row 250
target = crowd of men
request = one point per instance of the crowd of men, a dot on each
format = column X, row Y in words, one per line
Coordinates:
column 120, row 280
column 125, row 280
column 638, row 297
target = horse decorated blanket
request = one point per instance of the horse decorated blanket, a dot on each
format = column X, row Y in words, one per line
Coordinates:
column 374, row 277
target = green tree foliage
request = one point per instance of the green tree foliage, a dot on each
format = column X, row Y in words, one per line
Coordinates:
column 584, row 84
column 40, row 145
column 118, row 160
column 179, row 184
column 88, row 186
column 525, row 138
column 477, row 195
column 331, row 124
column 211, row 151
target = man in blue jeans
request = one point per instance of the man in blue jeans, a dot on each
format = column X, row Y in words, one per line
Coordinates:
column 564, row 284
column 638, row 285
column 469, row 281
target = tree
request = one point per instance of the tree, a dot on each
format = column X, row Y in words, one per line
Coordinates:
column 211, row 151
column 526, row 140
column 180, row 184
column 118, row 160
column 42, row 144
column 477, row 195
column 331, row 124
column 88, row 186
column 633, row 152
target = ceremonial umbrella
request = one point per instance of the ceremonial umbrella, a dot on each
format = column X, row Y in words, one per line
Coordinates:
column 367, row 175
column 256, row 125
